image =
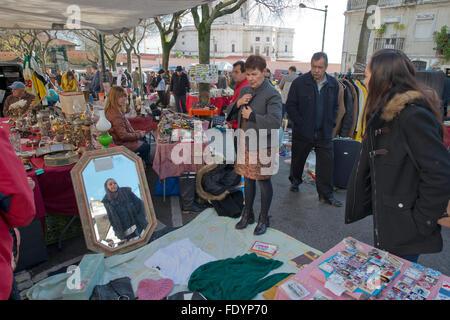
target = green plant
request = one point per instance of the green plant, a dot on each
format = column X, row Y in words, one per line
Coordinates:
column 380, row 32
column 178, row 55
column 399, row 26
column 442, row 40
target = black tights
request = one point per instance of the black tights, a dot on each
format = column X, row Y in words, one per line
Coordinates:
column 266, row 194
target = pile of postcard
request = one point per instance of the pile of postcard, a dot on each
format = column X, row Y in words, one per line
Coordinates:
column 416, row 284
column 351, row 270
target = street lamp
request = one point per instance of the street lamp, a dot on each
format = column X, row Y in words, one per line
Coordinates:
column 303, row 6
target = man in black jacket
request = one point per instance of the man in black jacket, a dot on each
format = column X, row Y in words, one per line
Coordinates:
column 312, row 106
column 180, row 86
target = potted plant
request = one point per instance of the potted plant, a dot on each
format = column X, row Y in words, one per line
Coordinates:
column 442, row 40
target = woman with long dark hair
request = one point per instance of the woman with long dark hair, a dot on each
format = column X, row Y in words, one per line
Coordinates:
column 126, row 212
column 402, row 174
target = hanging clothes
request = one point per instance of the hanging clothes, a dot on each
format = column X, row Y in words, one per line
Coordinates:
column 361, row 118
column 353, row 107
column 240, row 278
column 347, row 120
column 341, row 110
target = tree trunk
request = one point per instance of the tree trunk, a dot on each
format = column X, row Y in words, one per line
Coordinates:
column 141, row 86
column 364, row 38
column 165, row 56
column 129, row 62
column 204, row 40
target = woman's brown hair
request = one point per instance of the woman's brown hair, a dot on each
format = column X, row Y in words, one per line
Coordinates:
column 113, row 96
column 393, row 73
column 255, row 62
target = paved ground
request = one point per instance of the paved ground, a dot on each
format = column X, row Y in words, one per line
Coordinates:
column 299, row 215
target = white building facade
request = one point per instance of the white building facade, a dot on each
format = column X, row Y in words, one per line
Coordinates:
column 409, row 26
column 232, row 35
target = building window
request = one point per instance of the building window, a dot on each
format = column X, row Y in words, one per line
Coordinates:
column 232, row 47
column 251, row 49
column 215, row 47
column 286, row 48
column 182, row 37
column 267, row 51
column 182, row 43
column 257, row 39
column 257, row 50
column 268, row 39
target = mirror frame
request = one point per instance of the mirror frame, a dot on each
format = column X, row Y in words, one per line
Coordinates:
column 83, row 203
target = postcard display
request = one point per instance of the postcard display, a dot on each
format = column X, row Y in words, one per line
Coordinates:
column 355, row 270
column 204, row 73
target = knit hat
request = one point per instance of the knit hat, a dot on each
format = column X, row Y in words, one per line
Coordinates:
column 149, row 289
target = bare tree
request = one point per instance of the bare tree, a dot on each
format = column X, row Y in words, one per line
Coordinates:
column 167, row 28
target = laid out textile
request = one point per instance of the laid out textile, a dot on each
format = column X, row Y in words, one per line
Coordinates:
column 207, row 231
column 240, row 278
column 178, row 260
column 149, row 289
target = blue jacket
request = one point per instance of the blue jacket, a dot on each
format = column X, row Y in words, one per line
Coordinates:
column 301, row 106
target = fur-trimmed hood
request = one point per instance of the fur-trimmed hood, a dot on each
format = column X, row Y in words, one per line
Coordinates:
column 202, row 193
column 398, row 103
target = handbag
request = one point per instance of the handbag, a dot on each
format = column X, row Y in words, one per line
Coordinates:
column 118, row 289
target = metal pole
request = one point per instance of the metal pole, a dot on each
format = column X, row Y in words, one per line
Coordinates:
column 324, row 27
column 102, row 56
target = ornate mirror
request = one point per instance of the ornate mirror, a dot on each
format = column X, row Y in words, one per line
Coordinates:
column 114, row 201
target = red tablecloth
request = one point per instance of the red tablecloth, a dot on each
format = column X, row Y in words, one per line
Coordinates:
column 219, row 102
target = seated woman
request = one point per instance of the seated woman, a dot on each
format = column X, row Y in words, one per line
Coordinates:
column 126, row 212
column 121, row 130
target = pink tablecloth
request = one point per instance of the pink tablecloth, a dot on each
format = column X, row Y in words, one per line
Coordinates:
column 145, row 124
column 312, row 278
column 447, row 136
column 219, row 102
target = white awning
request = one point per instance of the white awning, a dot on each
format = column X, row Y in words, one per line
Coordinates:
column 107, row 16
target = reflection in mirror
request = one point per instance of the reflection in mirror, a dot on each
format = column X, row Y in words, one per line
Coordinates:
column 115, row 199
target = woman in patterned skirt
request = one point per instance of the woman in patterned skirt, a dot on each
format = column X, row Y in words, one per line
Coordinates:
column 258, row 110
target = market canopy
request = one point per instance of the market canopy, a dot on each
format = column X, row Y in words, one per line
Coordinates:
column 107, row 16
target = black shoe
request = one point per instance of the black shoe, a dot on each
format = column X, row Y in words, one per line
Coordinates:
column 193, row 209
column 263, row 224
column 294, row 188
column 247, row 218
column 331, row 201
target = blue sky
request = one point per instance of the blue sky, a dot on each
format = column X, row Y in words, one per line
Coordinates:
column 124, row 172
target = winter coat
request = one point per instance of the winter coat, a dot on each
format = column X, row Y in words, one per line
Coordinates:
column 266, row 106
column 406, row 197
column 135, row 79
column 121, row 130
column 301, row 106
column 124, row 215
column 285, row 85
column 341, row 110
column 218, row 184
column 17, row 208
column 179, row 85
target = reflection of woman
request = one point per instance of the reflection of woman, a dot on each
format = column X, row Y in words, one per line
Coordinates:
column 121, row 129
column 68, row 82
column 126, row 212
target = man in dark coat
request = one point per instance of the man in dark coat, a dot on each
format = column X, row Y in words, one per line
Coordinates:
column 402, row 178
column 179, row 85
column 312, row 105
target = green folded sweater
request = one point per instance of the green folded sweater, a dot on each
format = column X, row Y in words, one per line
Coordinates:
column 240, row 278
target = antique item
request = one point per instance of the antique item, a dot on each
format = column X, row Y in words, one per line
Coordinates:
column 114, row 200
column 60, row 159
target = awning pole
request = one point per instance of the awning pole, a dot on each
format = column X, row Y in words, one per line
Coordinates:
column 102, row 56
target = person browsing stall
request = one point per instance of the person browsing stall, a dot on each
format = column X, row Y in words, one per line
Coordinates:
column 312, row 105
column 17, row 209
column 180, row 86
column 69, row 82
column 402, row 174
column 121, row 129
column 240, row 79
column 257, row 110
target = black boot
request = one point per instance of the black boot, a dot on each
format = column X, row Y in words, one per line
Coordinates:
column 263, row 224
column 248, row 217
column 187, row 194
